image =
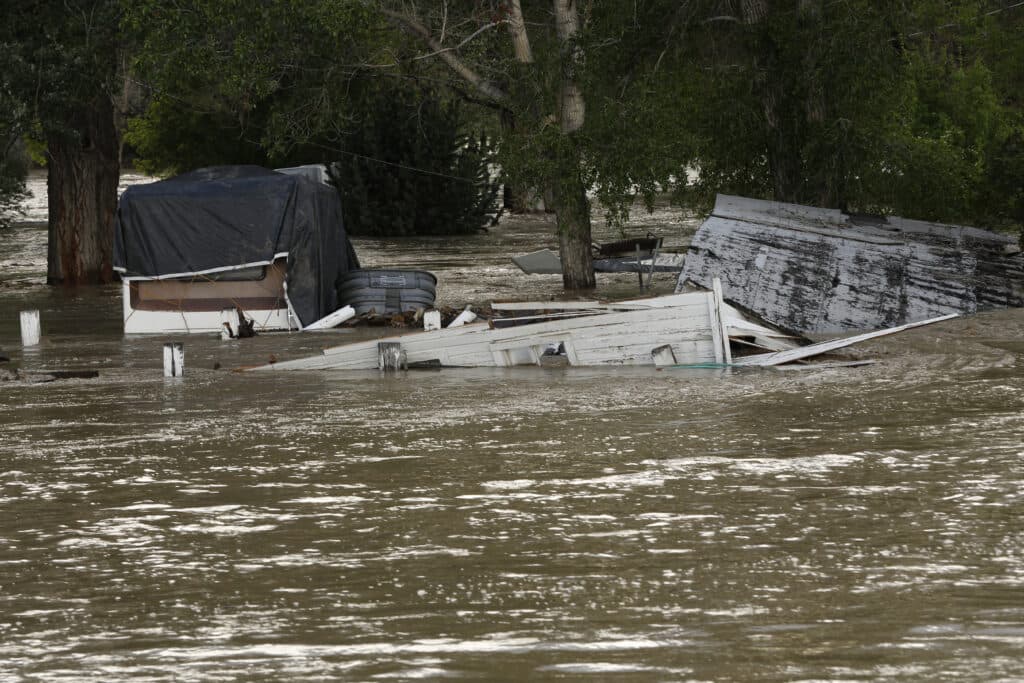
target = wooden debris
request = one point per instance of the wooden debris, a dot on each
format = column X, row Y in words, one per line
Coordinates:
column 696, row 329
column 391, row 357
column 663, row 356
column 610, row 337
column 823, row 366
column 331, row 320
column 821, row 271
column 801, row 352
column 467, row 316
column 44, row 376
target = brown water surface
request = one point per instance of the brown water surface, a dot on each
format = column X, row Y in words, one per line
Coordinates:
column 541, row 524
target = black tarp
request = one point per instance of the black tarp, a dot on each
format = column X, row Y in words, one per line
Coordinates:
column 226, row 217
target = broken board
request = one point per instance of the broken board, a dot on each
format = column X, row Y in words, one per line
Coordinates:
column 802, row 352
column 821, row 271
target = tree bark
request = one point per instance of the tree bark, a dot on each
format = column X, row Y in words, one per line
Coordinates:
column 572, row 208
column 571, row 108
column 82, row 179
column 517, row 30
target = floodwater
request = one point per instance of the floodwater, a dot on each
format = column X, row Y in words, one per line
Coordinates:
column 523, row 524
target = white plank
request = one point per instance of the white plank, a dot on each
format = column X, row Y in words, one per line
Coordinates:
column 467, row 316
column 666, row 301
column 719, row 327
column 331, row 320
column 544, row 305
column 801, row 352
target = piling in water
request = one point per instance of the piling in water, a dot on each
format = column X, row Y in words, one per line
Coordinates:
column 29, row 328
column 391, row 357
column 432, row 320
column 174, row 360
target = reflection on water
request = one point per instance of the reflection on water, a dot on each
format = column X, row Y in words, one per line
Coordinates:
column 541, row 524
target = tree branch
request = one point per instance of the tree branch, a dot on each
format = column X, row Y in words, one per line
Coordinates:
column 485, row 87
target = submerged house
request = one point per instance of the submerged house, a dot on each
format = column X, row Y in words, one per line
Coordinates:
column 194, row 248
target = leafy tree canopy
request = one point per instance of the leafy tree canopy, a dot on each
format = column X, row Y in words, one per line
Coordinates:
column 911, row 107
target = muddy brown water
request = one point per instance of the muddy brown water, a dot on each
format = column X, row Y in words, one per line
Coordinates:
column 526, row 524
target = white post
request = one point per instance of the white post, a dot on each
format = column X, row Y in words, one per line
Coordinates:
column 719, row 318
column 174, row 360
column 331, row 319
column 432, row 320
column 229, row 317
column 467, row 316
column 391, row 357
column 29, row 328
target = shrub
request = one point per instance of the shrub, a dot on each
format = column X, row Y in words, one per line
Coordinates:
column 410, row 169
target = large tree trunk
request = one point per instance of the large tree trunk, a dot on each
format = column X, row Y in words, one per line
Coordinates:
column 571, row 204
column 82, row 193
column 572, row 209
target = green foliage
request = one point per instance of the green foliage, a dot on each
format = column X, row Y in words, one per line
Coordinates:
column 786, row 103
column 172, row 137
column 56, row 57
column 910, row 108
column 245, row 82
column 953, row 153
column 409, row 170
column 13, row 166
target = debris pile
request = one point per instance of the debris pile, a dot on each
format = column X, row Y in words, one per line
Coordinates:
column 696, row 329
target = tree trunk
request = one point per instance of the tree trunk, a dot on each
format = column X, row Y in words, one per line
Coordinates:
column 572, row 209
column 570, row 198
column 82, row 192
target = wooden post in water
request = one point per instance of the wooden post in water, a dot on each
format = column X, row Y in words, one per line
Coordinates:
column 639, row 267
column 174, row 360
column 432, row 320
column 29, row 328
column 391, row 357
column 228, row 323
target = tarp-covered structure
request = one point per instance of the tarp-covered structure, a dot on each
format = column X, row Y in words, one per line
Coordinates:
column 233, row 217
